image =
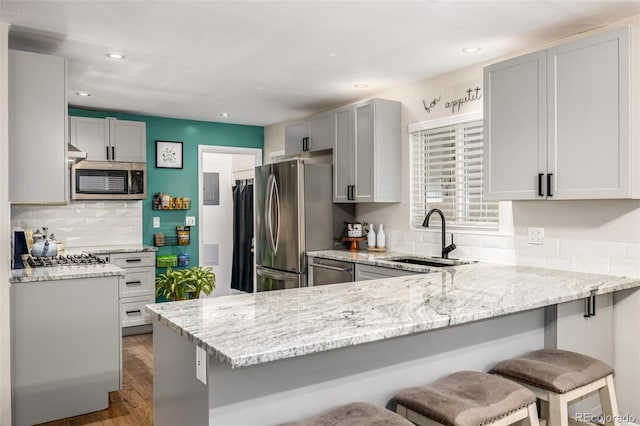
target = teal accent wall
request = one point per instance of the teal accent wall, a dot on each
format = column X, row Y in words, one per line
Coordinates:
column 179, row 182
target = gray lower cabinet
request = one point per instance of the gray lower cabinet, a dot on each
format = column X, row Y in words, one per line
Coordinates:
column 38, row 171
column 367, row 152
column 557, row 122
column 368, row 272
column 568, row 328
column 65, row 348
column 137, row 289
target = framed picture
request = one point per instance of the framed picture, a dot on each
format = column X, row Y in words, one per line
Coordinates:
column 168, row 155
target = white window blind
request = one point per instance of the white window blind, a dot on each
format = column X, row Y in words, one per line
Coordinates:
column 447, row 175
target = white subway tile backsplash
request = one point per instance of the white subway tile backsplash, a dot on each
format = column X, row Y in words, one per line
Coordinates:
column 427, row 249
column 497, row 241
column 625, row 267
column 531, row 260
column 576, row 247
column 592, row 264
column 564, row 263
column 493, row 255
column 609, row 249
column 85, row 224
column 551, row 246
column 469, row 240
column 414, row 236
column 633, row 250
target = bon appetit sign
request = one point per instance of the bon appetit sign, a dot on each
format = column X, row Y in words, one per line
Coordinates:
column 471, row 95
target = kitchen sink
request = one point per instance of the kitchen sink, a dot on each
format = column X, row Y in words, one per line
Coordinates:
column 431, row 261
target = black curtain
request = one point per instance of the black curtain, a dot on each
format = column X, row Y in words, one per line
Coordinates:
column 242, row 266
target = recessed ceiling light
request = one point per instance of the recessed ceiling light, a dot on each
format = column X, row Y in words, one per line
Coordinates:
column 259, row 88
column 115, row 55
column 471, row 49
column 361, row 85
column 224, row 114
column 332, row 54
column 83, row 94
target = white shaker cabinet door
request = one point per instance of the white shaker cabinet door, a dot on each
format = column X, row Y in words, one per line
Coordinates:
column 294, row 134
column 588, row 101
column 128, row 140
column 90, row 135
column 37, row 115
column 515, row 138
column 343, row 153
column 319, row 127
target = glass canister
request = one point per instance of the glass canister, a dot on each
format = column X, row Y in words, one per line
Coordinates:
column 183, row 259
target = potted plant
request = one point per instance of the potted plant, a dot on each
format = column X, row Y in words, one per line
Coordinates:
column 183, row 284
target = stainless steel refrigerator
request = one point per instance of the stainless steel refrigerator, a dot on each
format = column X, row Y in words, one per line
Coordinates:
column 294, row 214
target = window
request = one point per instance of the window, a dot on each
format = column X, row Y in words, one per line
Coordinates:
column 447, row 173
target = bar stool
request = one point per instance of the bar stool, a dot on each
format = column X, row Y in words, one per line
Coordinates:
column 468, row 398
column 558, row 377
column 355, row 414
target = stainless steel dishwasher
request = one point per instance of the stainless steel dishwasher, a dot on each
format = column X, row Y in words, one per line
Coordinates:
column 325, row 271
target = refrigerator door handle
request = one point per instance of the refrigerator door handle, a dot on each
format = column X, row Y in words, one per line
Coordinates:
column 276, row 198
column 268, row 212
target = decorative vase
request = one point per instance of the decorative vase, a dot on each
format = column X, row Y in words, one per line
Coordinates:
column 371, row 237
column 381, row 238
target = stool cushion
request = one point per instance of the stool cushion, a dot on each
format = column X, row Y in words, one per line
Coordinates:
column 355, row 414
column 553, row 369
column 466, row 398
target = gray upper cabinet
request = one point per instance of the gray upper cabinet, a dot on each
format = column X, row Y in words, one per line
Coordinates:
column 38, row 170
column 557, row 122
column 308, row 134
column 109, row 139
column 367, row 152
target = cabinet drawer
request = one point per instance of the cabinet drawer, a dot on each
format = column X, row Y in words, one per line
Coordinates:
column 132, row 260
column 132, row 311
column 367, row 272
column 137, row 282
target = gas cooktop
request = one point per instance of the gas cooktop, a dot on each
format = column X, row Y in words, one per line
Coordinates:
column 68, row 260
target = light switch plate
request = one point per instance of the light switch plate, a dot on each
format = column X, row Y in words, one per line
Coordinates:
column 156, row 222
column 191, row 221
column 201, row 364
column 535, row 236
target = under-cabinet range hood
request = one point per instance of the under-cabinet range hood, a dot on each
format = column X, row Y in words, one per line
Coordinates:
column 74, row 154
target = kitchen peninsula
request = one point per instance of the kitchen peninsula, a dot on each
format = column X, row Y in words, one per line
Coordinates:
column 285, row 355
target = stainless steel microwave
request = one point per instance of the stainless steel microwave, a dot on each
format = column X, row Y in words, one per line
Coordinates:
column 108, row 180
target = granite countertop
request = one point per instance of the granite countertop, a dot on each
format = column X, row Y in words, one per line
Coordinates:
column 67, row 272
column 131, row 248
column 250, row 329
column 78, row 271
column 382, row 259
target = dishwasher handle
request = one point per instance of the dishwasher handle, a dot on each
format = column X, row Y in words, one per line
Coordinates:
column 331, row 268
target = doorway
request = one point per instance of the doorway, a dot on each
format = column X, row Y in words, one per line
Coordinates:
column 219, row 168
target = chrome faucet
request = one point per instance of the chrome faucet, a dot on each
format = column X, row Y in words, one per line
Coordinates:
column 445, row 249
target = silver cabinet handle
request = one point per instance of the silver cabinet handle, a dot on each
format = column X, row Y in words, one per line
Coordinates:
column 331, row 268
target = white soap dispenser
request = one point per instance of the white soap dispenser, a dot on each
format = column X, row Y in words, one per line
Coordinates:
column 381, row 238
column 371, row 237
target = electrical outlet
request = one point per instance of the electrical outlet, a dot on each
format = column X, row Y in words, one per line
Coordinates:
column 201, row 364
column 191, row 221
column 156, row 222
column 535, row 236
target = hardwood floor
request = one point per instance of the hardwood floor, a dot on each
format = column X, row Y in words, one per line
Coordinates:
column 133, row 404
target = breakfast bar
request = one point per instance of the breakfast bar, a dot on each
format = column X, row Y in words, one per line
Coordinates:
column 284, row 355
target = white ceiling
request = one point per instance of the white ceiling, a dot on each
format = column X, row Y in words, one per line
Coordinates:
column 267, row 61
